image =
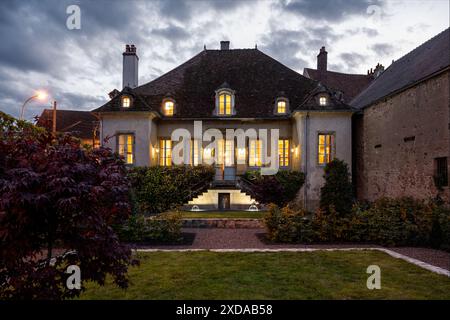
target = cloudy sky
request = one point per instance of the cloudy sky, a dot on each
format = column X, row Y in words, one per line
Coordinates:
column 79, row 67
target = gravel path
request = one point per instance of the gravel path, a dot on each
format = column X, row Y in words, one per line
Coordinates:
column 216, row 238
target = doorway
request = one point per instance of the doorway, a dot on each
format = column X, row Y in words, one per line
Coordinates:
column 224, row 201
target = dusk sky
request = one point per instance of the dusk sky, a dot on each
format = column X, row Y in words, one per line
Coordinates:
column 79, row 67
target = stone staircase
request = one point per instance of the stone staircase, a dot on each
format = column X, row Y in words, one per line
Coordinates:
column 209, row 200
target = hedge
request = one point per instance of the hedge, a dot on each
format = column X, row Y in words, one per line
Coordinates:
column 158, row 189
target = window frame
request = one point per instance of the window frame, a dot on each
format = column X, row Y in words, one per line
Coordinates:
column 227, row 92
column 332, row 153
column 284, row 156
column 256, row 164
column 441, row 170
column 133, row 146
column 123, row 98
column 286, row 106
column 326, row 100
column 163, row 150
column 163, row 107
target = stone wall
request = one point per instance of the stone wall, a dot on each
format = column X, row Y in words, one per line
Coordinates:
column 397, row 140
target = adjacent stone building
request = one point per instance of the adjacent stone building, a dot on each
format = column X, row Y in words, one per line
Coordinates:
column 401, row 134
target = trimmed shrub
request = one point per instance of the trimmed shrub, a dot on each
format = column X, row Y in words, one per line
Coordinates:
column 288, row 225
column 158, row 189
column 279, row 189
column 337, row 190
column 162, row 228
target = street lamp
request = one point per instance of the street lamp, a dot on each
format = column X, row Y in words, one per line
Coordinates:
column 40, row 95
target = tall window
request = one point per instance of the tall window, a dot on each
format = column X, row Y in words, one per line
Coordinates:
column 441, row 172
column 197, row 152
column 165, row 152
column 225, row 153
column 126, row 102
column 225, row 104
column 168, row 108
column 126, row 147
column 281, row 106
column 283, row 152
column 254, row 159
column 325, row 148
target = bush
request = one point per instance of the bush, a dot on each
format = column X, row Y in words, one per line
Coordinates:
column 337, row 190
column 158, row 189
column 288, row 225
column 391, row 222
column 279, row 189
column 164, row 228
column 54, row 194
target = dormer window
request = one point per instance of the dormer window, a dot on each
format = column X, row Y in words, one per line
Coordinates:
column 126, row 102
column 323, row 101
column 225, row 101
column 281, row 106
column 168, row 108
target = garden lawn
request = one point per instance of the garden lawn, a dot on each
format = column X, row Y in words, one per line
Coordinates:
column 279, row 275
column 223, row 214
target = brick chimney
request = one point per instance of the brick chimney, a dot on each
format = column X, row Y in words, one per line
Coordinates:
column 224, row 45
column 130, row 67
column 322, row 60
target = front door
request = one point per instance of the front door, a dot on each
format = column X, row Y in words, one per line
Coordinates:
column 224, row 201
column 225, row 168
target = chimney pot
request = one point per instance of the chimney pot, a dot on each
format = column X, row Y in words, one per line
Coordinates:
column 224, row 45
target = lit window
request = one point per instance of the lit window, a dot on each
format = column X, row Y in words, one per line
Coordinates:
column 126, row 102
column 225, row 154
column 325, row 148
column 165, row 152
column 125, row 147
column 196, row 152
column 323, row 101
column 254, row 159
column 168, row 108
column 283, row 152
column 281, row 107
column 224, row 103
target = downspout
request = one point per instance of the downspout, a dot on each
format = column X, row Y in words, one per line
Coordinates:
column 305, row 138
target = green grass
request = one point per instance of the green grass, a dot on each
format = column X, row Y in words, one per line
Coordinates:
column 281, row 275
column 222, row 214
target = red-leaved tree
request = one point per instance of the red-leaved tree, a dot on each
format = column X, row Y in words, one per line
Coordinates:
column 58, row 203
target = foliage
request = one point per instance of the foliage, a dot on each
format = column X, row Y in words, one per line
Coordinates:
column 279, row 189
column 57, row 197
column 158, row 189
column 392, row 222
column 162, row 228
column 337, row 190
column 288, row 225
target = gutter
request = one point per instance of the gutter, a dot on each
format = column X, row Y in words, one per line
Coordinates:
column 305, row 137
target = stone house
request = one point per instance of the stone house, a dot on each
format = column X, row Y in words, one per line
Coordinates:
column 229, row 89
column 401, row 133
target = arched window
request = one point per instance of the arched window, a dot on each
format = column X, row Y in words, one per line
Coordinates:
column 126, row 102
column 168, row 108
column 225, row 106
column 323, row 101
column 281, row 105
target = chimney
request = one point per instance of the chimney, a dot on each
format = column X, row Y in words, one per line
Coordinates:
column 224, row 45
column 378, row 70
column 130, row 67
column 322, row 61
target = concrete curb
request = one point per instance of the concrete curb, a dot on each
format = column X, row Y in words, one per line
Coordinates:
column 393, row 254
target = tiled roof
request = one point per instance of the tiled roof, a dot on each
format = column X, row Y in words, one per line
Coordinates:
column 349, row 84
column 427, row 59
column 256, row 79
column 80, row 123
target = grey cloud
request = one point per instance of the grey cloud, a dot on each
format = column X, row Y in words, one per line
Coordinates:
column 352, row 60
column 383, row 49
column 330, row 10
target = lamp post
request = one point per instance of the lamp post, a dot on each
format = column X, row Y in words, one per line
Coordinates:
column 40, row 95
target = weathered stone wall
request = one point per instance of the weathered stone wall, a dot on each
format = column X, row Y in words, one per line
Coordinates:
column 398, row 140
